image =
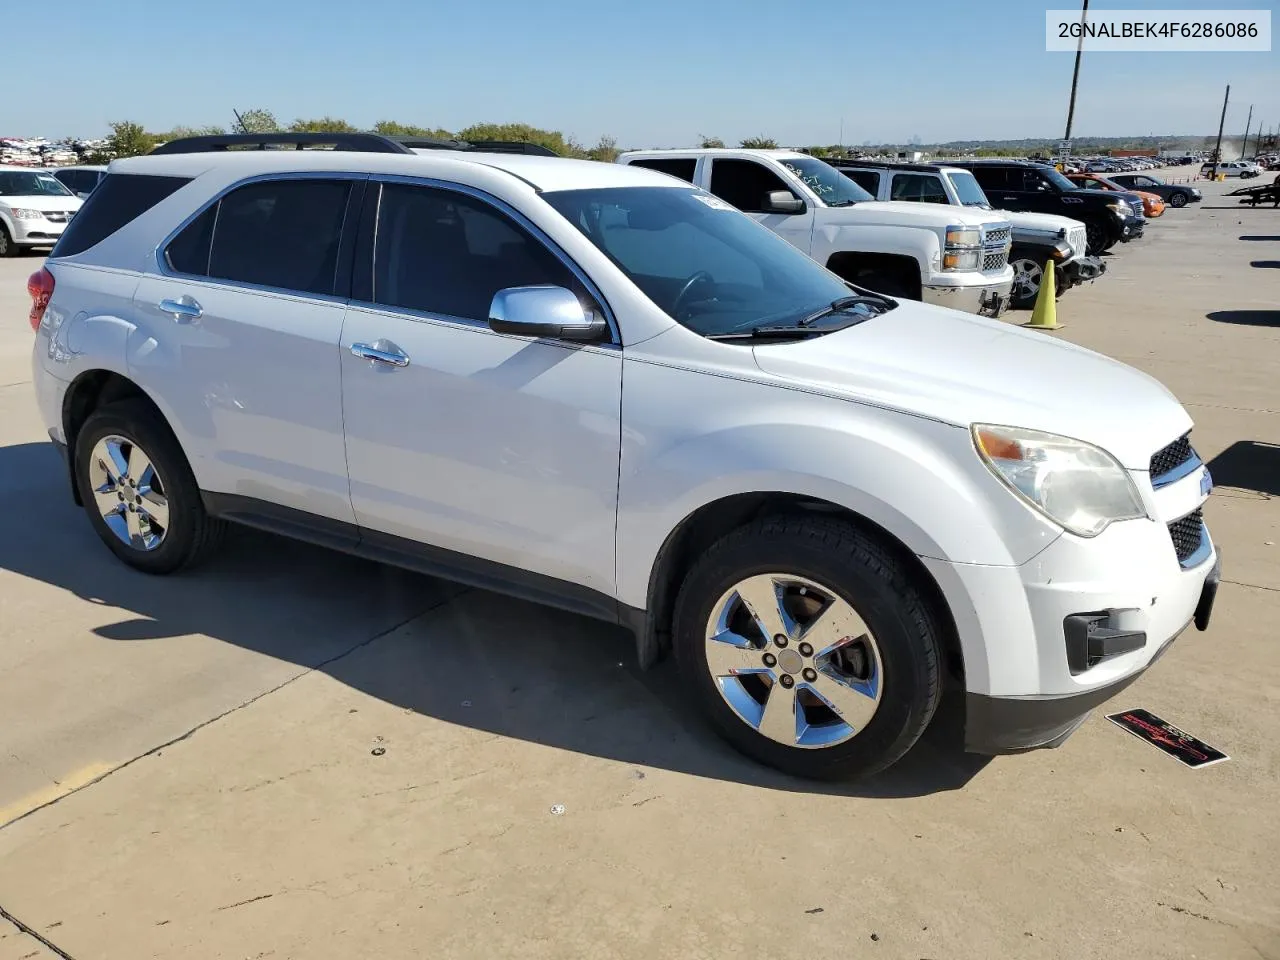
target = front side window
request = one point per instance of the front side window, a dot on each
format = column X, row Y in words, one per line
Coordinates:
column 868, row 180
column 24, row 183
column 1053, row 177
column 279, row 233
column 448, row 253
column 700, row 261
column 831, row 187
column 998, row 178
column 918, row 188
column 745, row 184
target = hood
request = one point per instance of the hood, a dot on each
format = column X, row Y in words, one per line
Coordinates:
column 1038, row 221
column 43, row 201
column 961, row 369
column 898, row 213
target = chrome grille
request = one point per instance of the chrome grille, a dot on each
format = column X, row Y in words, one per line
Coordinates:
column 995, row 261
column 1187, row 535
column 57, row 216
column 1078, row 238
column 1168, row 459
column 997, row 237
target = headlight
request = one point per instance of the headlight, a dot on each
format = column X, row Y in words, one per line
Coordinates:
column 1120, row 209
column 963, row 237
column 22, row 214
column 1074, row 484
column 961, row 259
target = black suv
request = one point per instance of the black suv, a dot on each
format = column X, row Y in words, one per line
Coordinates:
column 1110, row 218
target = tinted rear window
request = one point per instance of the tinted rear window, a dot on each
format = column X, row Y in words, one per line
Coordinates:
column 682, row 167
column 118, row 199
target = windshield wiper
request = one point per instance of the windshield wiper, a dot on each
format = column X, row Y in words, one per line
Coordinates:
column 768, row 333
column 848, row 303
column 842, row 203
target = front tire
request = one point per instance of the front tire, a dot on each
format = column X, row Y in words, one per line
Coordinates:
column 809, row 647
column 1178, row 200
column 1027, row 277
column 8, row 248
column 139, row 491
column 1098, row 238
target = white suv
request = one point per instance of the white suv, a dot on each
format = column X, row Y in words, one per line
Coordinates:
column 593, row 386
column 34, row 209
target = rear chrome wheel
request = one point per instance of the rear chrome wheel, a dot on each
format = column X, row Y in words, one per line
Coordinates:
column 129, row 493
column 794, row 661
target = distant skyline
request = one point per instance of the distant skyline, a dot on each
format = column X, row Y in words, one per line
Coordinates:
column 661, row 74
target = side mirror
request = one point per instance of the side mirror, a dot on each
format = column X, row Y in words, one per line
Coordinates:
column 781, row 201
column 543, row 311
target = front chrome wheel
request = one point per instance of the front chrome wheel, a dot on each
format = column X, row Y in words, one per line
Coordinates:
column 1027, row 277
column 793, row 660
column 129, row 493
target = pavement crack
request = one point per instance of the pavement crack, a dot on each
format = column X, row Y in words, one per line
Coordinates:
column 232, row 906
column 240, row 706
column 34, row 935
column 1255, row 586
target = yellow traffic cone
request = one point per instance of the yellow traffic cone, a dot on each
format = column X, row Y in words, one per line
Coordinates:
column 1045, row 314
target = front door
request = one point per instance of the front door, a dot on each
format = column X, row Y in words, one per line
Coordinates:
column 492, row 446
column 746, row 184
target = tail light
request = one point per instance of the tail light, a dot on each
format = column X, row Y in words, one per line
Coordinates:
column 40, row 289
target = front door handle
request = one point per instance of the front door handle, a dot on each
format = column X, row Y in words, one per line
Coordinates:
column 183, row 310
column 381, row 351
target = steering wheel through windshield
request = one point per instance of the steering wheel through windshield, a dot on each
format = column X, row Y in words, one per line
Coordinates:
column 699, row 278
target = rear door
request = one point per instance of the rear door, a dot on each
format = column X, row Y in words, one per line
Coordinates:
column 241, row 328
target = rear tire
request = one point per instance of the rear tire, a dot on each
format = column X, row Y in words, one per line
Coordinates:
column 139, row 491
column 857, row 630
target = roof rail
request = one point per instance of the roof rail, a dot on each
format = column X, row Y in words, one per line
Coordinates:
column 487, row 146
column 218, row 143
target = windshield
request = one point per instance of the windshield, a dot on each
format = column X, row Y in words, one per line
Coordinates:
column 968, row 191
column 709, row 267
column 832, row 187
column 23, row 183
column 1057, row 179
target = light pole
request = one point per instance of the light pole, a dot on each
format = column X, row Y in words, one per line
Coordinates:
column 1244, row 148
column 1075, row 74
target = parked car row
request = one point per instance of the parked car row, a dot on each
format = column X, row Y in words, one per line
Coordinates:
column 35, row 209
column 605, row 388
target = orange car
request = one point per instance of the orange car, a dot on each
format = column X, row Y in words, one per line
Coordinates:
column 1152, row 203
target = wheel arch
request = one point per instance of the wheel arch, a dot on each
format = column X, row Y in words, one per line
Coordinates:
column 89, row 391
column 849, row 264
column 713, row 520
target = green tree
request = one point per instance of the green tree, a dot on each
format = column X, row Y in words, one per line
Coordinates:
column 759, row 143
column 180, row 131
column 709, row 142
column 321, row 125
column 525, row 133
column 605, row 151
column 393, row 128
column 128, row 139
column 258, row 120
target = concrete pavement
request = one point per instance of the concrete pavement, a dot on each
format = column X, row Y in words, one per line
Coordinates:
column 224, row 722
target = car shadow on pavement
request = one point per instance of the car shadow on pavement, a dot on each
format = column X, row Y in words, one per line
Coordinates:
column 477, row 660
column 1248, row 465
column 1259, row 239
column 1247, row 318
column 1265, row 264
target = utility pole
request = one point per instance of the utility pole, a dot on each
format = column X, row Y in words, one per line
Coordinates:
column 1217, row 151
column 1075, row 74
column 1245, row 147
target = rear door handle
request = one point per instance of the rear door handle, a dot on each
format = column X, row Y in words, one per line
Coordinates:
column 183, row 310
column 381, row 351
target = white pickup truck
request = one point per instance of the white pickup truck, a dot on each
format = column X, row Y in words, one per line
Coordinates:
column 1037, row 237
column 953, row 257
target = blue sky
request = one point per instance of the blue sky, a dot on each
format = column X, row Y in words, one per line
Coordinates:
column 656, row 73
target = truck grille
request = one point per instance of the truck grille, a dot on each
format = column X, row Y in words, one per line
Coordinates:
column 1168, row 459
column 1078, row 238
column 994, row 261
column 1187, row 535
column 998, row 237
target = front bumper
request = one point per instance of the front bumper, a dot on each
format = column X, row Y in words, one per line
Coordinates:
column 37, row 233
column 996, row 725
column 1132, row 229
column 987, row 300
column 1082, row 270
